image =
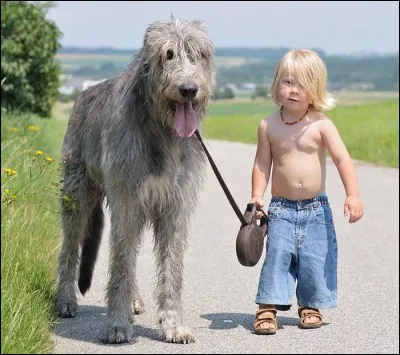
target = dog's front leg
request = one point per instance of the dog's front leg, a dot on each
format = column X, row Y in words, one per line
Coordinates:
column 126, row 229
column 170, row 232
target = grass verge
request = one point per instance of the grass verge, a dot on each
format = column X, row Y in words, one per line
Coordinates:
column 30, row 228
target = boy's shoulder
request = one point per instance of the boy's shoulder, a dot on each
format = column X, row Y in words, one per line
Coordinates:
column 267, row 123
column 324, row 123
column 320, row 118
column 270, row 118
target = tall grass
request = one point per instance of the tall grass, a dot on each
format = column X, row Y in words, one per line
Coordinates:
column 370, row 131
column 30, row 225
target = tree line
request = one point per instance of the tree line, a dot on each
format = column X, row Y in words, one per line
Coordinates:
column 382, row 71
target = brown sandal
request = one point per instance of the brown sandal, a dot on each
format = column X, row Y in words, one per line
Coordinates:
column 307, row 312
column 265, row 315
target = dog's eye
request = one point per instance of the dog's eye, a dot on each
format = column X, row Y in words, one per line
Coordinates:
column 170, row 54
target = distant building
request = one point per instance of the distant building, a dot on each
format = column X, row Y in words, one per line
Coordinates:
column 233, row 87
column 66, row 90
column 88, row 83
column 71, row 83
column 362, row 86
column 248, row 86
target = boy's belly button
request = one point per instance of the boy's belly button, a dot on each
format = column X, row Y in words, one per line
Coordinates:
column 300, row 185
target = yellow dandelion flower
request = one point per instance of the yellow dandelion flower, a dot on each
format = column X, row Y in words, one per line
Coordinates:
column 10, row 172
column 49, row 160
column 7, row 191
column 34, row 128
column 13, row 129
column 39, row 153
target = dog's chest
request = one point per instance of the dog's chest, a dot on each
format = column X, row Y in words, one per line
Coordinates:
column 169, row 174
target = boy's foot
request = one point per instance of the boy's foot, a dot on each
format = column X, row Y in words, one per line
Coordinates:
column 265, row 322
column 310, row 318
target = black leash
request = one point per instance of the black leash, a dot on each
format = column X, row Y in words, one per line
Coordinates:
column 221, row 181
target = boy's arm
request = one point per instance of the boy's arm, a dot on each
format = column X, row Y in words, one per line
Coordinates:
column 345, row 166
column 262, row 163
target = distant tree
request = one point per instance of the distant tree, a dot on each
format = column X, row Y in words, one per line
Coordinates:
column 228, row 93
column 29, row 43
column 260, row 91
column 108, row 67
column 223, row 93
column 216, row 94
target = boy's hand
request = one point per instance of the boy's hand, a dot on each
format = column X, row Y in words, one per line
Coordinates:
column 259, row 203
column 354, row 207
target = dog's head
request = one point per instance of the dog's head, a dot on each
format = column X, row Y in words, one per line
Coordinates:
column 181, row 72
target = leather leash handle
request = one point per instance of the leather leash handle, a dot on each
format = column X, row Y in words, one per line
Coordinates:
column 257, row 208
column 221, row 181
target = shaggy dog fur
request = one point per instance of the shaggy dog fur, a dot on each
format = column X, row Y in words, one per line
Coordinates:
column 130, row 140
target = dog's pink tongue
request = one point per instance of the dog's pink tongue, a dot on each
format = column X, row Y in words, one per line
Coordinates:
column 185, row 120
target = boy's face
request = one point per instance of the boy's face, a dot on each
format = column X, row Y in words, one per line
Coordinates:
column 292, row 95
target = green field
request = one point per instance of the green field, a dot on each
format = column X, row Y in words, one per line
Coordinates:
column 244, row 105
column 370, row 130
column 234, row 61
column 74, row 61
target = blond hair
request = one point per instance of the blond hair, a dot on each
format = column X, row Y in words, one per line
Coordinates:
column 311, row 73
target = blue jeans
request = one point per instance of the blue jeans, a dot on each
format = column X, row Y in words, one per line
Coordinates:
column 301, row 246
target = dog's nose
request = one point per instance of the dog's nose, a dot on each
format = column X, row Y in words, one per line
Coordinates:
column 188, row 91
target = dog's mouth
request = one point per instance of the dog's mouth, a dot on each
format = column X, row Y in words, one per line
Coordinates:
column 185, row 120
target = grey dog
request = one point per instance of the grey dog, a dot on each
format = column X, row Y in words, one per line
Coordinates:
column 130, row 140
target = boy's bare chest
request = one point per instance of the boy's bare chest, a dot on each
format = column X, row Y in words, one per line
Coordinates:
column 287, row 139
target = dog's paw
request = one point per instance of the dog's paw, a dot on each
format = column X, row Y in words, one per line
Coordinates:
column 182, row 335
column 66, row 309
column 138, row 306
column 116, row 335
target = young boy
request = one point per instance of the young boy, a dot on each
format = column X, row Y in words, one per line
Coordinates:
column 301, row 244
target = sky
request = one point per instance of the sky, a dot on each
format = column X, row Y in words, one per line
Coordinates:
column 336, row 27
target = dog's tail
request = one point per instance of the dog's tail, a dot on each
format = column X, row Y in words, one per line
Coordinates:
column 90, row 248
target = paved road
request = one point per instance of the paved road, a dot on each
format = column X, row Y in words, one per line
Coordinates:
column 219, row 292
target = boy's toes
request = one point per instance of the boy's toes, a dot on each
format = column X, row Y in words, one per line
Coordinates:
column 310, row 317
column 311, row 320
